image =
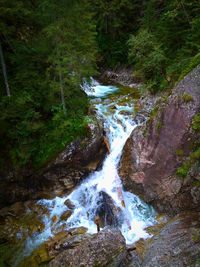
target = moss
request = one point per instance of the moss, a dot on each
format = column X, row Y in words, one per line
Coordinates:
column 196, row 237
column 154, row 113
column 196, row 122
column 196, row 183
column 144, row 132
column 194, row 62
column 179, row 153
column 83, row 144
column 187, row 98
column 187, row 165
column 181, row 172
column 158, row 125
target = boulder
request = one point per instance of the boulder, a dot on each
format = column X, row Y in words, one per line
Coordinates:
column 51, row 248
column 69, row 204
column 150, row 157
column 107, row 248
column 107, row 212
column 177, row 244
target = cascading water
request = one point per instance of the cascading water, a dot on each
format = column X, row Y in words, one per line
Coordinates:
column 102, row 186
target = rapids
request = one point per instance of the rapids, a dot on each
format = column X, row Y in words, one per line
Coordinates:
column 117, row 112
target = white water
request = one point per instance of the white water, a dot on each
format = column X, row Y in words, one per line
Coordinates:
column 87, row 197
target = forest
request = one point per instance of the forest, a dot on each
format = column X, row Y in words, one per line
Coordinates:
column 47, row 48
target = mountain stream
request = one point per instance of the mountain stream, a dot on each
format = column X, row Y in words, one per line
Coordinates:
column 115, row 108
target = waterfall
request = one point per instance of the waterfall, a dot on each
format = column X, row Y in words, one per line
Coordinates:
column 101, row 186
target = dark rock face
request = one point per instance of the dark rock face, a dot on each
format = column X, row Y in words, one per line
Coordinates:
column 122, row 76
column 107, row 248
column 60, row 176
column 107, row 212
column 149, row 161
column 177, row 244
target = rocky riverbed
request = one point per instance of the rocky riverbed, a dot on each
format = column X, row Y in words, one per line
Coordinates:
column 148, row 167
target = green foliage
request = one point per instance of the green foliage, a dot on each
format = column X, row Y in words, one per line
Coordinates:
column 196, row 237
column 40, row 41
column 149, row 58
column 196, row 122
column 191, row 160
column 158, row 125
column 166, row 47
column 187, row 98
column 179, row 153
column 114, row 20
column 154, row 112
column 181, row 172
column 195, row 61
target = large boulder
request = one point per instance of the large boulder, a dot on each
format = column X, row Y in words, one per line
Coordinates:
column 107, row 248
column 157, row 148
column 177, row 244
column 61, row 175
column 107, row 213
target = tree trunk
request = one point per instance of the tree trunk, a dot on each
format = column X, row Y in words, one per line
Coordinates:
column 4, row 71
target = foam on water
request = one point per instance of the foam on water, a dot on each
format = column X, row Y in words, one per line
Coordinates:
column 87, row 196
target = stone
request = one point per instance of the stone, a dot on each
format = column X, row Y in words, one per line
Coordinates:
column 51, row 248
column 107, row 248
column 175, row 245
column 60, row 175
column 66, row 215
column 54, row 219
column 149, row 160
column 69, row 204
column 107, row 212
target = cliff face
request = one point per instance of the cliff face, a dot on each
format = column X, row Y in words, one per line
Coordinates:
column 151, row 154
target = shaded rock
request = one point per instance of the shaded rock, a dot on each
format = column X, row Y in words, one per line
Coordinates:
column 121, row 76
column 54, row 219
column 125, row 112
column 107, row 212
column 61, row 175
column 173, row 245
column 107, row 248
column 149, row 160
column 69, row 204
column 51, row 248
column 66, row 215
column 16, row 224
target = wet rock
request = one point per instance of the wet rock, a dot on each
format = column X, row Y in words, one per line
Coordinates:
column 66, row 215
column 177, row 243
column 51, row 248
column 69, row 204
column 149, row 160
column 121, row 76
column 17, row 222
column 107, row 212
column 54, row 219
column 107, row 248
column 125, row 112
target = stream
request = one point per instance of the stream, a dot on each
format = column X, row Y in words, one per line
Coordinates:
column 100, row 195
column 116, row 110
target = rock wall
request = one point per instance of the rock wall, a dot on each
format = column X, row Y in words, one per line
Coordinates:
column 61, row 175
column 176, row 244
column 150, row 160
